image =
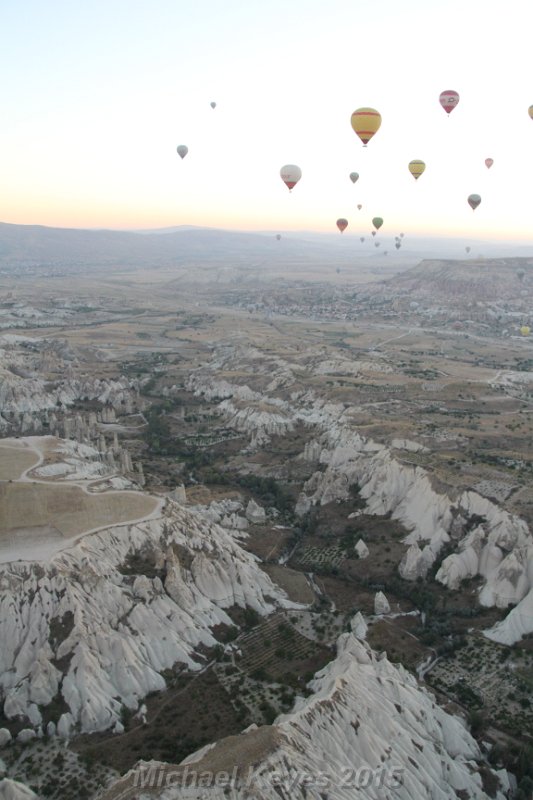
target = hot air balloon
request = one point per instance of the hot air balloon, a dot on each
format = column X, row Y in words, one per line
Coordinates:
column 397, row 245
column 530, row 111
column 377, row 222
column 467, row 249
column 290, row 175
column 362, row 238
column 342, row 224
column 182, row 150
column 366, row 122
column 373, row 233
column 416, row 168
column 278, row 236
column 525, row 330
column 448, row 100
column 402, row 235
column 473, row 201
column 520, row 274
column 213, row 104
column 489, row 162
column 354, row 177
column 359, row 207
column 377, row 244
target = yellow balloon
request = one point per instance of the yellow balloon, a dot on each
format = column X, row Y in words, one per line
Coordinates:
column 416, row 168
column 366, row 122
column 525, row 330
column 530, row 111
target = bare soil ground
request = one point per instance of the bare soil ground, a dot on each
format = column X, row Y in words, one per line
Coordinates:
column 14, row 461
column 68, row 508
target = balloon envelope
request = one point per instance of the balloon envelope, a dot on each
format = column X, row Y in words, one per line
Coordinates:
column 530, row 111
column 359, row 206
column 290, row 175
column 448, row 100
column 397, row 245
column 489, row 162
column 366, row 122
column 473, row 201
column 182, row 150
column 278, row 236
column 525, row 330
column 342, row 224
column 354, row 177
column 362, row 238
column 416, row 168
column 213, row 104
column 377, row 222
column 467, row 248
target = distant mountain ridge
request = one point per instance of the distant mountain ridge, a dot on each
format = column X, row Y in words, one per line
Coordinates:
column 35, row 245
column 463, row 281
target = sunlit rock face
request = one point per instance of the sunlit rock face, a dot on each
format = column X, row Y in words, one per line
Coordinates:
column 499, row 549
column 13, row 790
column 41, row 377
column 97, row 623
column 368, row 730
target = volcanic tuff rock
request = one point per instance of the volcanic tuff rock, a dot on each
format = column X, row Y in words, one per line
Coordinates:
column 12, row 790
column 364, row 713
column 390, row 487
column 38, row 377
column 94, row 629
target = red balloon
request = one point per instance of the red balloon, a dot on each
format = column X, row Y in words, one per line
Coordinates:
column 489, row 162
column 448, row 100
column 342, row 224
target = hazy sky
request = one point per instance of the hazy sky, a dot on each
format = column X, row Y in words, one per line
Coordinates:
column 96, row 96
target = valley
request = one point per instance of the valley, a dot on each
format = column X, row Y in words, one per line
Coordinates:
column 212, row 491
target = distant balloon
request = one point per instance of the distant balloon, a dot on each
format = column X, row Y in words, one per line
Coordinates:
column 362, row 238
column 213, row 104
column 182, row 150
column 338, row 271
column 366, row 122
column 377, row 222
column 373, row 233
column 397, row 245
column 377, row 244
column 525, row 330
column 342, row 224
column 520, row 274
column 290, row 175
column 359, row 207
column 448, row 100
column 473, row 201
column 530, row 111
column 467, row 248
column 402, row 235
column 354, row 177
column 278, row 236
column 489, row 162
column 416, row 168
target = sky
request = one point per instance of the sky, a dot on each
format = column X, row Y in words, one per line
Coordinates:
column 97, row 96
